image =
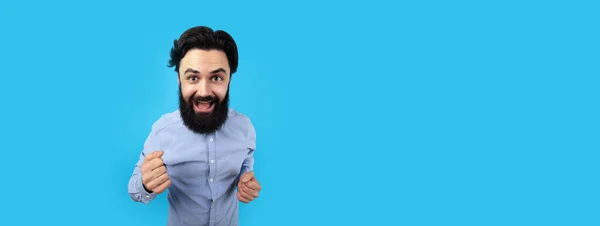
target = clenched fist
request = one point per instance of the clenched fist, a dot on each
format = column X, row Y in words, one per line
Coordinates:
column 248, row 187
column 154, row 173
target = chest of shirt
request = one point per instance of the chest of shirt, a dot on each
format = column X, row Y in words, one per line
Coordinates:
column 194, row 160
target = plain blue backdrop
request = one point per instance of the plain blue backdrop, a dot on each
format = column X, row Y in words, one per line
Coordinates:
column 366, row 112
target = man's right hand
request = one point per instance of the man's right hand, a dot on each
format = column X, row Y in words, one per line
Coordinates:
column 154, row 173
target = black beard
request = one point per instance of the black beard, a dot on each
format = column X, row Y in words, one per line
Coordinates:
column 204, row 123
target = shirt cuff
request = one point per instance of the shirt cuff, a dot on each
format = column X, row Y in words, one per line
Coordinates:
column 146, row 197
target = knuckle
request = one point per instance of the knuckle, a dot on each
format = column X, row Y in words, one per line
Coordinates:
column 145, row 177
column 150, row 182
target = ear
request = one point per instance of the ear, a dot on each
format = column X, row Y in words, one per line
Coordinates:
column 178, row 80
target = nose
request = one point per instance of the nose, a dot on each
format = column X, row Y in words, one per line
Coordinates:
column 203, row 89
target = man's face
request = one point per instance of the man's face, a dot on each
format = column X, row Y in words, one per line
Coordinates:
column 204, row 87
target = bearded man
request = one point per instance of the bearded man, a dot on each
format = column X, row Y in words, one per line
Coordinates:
column 202, row 152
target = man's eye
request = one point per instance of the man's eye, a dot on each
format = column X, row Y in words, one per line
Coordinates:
column 217, row 78
column 192, row 78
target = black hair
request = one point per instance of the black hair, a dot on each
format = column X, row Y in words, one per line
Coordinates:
column 204, row 38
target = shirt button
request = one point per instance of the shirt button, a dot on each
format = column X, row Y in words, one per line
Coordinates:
column 212, row 161
column 211, row 139
column 211, row 179
column 147, row 196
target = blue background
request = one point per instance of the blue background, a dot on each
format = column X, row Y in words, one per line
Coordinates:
column 367, row 112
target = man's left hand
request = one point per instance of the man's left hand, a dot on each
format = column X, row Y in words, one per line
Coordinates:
column 248, row 187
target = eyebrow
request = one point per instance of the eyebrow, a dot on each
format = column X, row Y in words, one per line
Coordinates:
column 190, row 70
column 218, row 70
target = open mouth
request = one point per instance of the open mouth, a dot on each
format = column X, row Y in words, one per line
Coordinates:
column 203, row 106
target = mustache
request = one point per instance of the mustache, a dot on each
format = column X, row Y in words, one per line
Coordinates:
column 204, row 99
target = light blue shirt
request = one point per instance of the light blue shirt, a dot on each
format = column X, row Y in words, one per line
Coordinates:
column 204, row 169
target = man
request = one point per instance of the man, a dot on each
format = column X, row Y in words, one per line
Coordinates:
column 202, row 152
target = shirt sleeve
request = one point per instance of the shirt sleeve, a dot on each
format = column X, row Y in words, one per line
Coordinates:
column 248, row 164
column 137, row 192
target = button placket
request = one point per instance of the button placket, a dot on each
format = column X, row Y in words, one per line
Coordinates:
column 212, row 165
